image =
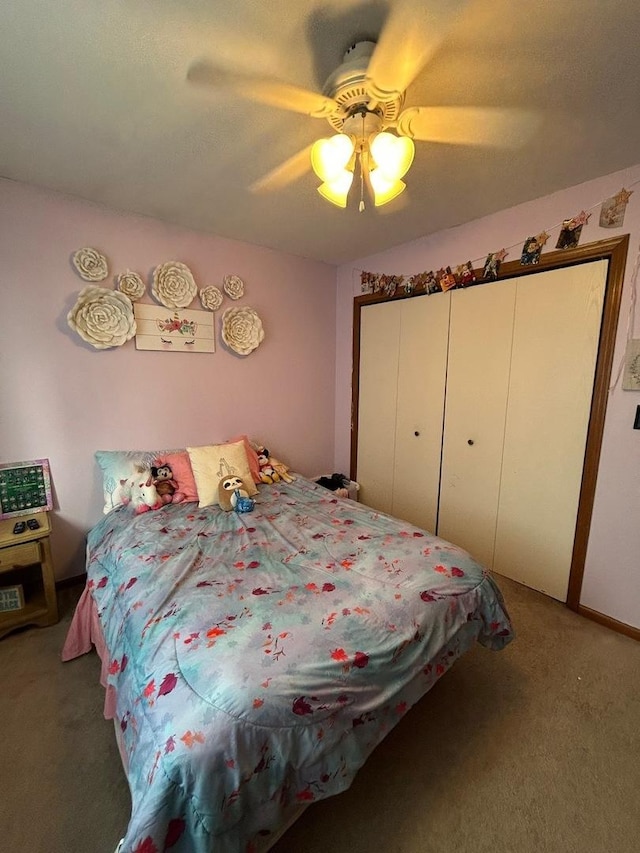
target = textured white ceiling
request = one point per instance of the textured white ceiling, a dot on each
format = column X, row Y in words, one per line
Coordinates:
column 94, row 102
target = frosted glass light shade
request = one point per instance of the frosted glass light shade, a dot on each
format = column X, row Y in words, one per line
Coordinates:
column 329, row 157
column 384, row 190
column 393, row 155
column 337, row 190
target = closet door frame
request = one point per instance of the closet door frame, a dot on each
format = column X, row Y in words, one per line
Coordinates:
column 614, row 251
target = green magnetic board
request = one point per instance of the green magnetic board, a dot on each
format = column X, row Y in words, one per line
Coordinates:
column 25, row 487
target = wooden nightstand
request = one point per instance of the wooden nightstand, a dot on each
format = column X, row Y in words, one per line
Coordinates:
column 25, row 559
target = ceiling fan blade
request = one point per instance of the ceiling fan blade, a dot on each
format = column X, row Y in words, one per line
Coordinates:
column 263, row 89
column 292, row 169
column 495, row 127
column 411, row 35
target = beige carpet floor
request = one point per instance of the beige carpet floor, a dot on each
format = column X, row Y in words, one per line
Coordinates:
column 535, row 749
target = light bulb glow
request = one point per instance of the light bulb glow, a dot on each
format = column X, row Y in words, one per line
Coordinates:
column 384, row 190
column 393, row 155
column 337, row 190
column 329, row 157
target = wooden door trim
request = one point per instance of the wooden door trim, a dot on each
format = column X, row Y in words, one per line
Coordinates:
column 616, row 255
column 614, row 251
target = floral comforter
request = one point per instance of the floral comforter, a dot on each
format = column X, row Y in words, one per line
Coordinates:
column 259, row 658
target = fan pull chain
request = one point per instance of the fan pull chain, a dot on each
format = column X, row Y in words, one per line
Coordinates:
column 361, row 205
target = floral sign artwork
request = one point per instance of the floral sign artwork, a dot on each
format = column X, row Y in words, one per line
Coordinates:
column 181, row 330
column 179, row 325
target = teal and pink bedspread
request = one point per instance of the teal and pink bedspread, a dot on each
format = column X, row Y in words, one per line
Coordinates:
column 256, row 660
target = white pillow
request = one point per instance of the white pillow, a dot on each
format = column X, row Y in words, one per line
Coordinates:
column 212, row 462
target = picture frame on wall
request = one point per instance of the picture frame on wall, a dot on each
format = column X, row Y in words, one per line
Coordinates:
column 25, row 488
column 631, row 375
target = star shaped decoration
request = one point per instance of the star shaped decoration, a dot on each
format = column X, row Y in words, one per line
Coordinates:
column 542, row 238
column 581, row 219
column 623, row 196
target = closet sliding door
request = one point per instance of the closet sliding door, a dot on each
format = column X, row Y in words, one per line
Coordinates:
column 555, row 348
column 379, row 360
column 480, row 339
column 402, row 373
column 505, row 387
column 422, row 371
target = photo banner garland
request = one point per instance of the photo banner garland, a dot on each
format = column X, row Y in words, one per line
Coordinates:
column 612, row 211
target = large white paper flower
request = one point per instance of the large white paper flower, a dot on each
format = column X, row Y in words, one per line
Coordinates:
column 211, row 297
column 173, row 285
column 91, row 264
column 242, row 330
column 233, row 286
column 103, row 318
column 131, row 284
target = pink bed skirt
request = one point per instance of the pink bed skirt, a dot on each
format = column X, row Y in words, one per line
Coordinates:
column 85, row 632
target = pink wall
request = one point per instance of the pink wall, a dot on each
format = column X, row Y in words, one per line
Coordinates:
column 63, row 400
column 612, row 573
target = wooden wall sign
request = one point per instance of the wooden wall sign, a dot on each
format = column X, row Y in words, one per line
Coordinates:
column 173, row 330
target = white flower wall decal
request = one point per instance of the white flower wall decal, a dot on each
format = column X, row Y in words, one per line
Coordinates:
column 103, row 318
column 233, row 286
column 211, row 297
column 242, row 330
column 90, row 264
column 173, row 285
column 132, row 285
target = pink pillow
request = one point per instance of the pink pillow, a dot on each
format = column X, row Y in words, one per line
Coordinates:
column 252, row 457
column 182, row 473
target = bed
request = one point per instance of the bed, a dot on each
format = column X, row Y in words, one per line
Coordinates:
column 253, row 661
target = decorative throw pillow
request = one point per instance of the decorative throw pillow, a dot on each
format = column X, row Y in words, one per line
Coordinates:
column 213, row 462
column 117, row 467
column 252, row 457
column 182, row 472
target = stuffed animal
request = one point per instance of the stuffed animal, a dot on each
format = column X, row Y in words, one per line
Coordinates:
column 230, row 490
column 268, row 473
column 243, row 504
column 140, row 492
column 166, row 486
column 281, row 470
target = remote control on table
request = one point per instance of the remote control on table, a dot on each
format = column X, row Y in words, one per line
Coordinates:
column 33, row 524
column 19, row 527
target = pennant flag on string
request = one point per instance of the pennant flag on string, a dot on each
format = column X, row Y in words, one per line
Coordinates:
column 465, row 274
column 571, row 231
column 613, row 209
column 492, row 264
column 532, row 249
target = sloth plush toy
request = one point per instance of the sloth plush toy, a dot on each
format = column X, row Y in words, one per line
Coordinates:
column 233, row 494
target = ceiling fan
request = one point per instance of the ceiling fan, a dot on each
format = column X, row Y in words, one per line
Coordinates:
column 363, row 102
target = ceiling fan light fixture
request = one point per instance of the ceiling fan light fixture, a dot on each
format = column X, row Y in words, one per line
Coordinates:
column 392, row 155
column 337, row 190
column 330, row 156
column 384, row 189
